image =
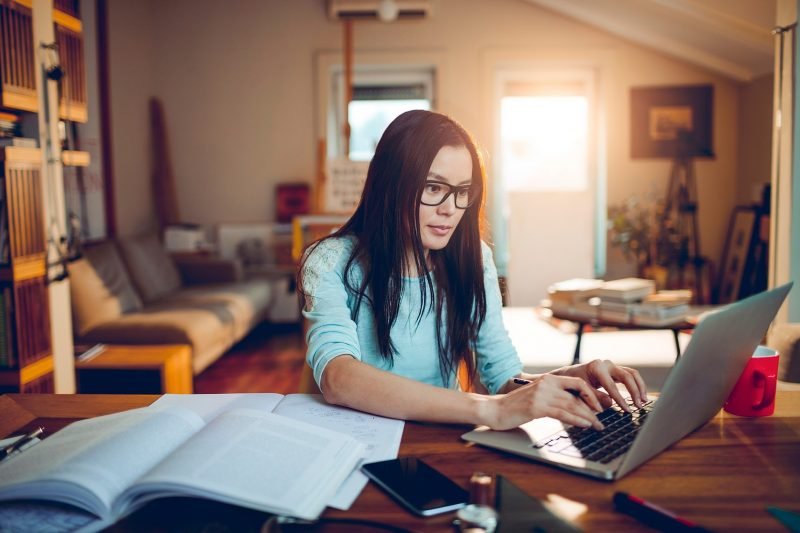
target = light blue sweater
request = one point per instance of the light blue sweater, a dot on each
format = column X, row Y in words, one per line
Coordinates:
column 332, row 332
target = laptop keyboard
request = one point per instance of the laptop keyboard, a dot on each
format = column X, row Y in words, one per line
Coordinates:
column 600, row 446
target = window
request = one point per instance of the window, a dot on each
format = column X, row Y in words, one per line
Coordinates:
column 548, row 181
column 379, row 96
column 544, row 137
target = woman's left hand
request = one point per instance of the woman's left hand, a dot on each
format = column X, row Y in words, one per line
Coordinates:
column 605, row 374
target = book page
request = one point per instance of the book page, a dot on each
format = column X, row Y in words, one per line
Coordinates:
column 210, row 405
column 27, row 516
column 90, row 462
column 258, row 460
column 381, row 435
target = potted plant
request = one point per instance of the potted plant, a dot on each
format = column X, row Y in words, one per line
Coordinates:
column 645, row 234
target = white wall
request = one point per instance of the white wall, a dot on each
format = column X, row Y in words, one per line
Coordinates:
column 755, row 139
column 238, row 85
column 132, row 52
column 785, row 215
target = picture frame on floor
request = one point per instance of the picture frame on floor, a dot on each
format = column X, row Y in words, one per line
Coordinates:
column 735, row 254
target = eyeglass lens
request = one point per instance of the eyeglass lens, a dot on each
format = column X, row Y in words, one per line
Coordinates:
column 435, row 193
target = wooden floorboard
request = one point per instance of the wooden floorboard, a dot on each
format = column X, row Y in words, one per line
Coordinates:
column 269, row 359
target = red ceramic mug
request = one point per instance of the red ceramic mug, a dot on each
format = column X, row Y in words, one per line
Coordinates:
column 754, row 393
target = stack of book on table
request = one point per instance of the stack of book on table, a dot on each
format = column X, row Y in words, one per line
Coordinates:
column 626, row 301
column 635, row 301
column 574, row 297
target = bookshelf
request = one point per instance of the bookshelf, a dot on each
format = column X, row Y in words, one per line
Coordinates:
column 30, row 55
column 26, row 360
column 68, row 30
column 17, row 68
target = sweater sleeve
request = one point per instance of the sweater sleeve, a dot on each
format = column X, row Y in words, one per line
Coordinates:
column 330, row 331
column 497, row 359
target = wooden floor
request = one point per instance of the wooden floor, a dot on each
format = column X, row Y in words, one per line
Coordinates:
column 269, row 359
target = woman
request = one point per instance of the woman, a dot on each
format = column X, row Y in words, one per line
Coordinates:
column 406, row 291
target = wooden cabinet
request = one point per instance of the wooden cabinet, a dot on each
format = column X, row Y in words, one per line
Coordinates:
column 26, row 355
column 26, row 361
column 72, row 103
column 18, row 61
column 18, row 58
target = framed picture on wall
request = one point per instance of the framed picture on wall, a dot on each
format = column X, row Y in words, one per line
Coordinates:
column 669, row 119
column 734, row 257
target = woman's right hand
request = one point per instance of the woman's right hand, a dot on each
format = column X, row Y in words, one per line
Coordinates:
column 568, row 399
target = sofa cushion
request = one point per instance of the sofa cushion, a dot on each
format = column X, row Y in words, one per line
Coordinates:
column 152, row 270
column 208, row 330
column 246, row 302
column 210, row 319
column 100, row 288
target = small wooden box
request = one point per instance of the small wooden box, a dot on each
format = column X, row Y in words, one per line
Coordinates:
column 153, row 369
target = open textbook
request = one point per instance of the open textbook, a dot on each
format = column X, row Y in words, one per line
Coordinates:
column 247, row 454
column 381, row 435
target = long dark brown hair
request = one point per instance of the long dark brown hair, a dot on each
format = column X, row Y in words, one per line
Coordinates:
column 386, row 225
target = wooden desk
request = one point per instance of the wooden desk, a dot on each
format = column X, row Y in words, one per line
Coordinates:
column 723, row 476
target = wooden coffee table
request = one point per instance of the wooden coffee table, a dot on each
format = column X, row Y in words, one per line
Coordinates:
column 596, row 322
column 146, row 369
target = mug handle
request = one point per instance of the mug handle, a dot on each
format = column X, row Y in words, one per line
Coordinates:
column 768, row 383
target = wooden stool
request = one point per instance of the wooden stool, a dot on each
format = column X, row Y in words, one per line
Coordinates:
column 156, row 369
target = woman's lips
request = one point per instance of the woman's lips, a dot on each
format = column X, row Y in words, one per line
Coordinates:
column 440, row 230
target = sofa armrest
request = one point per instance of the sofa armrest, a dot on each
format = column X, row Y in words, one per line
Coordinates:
column 198, row 269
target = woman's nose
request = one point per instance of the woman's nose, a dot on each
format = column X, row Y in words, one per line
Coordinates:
column 449, row 204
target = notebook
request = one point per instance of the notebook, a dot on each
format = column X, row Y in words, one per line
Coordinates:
column 694, row 392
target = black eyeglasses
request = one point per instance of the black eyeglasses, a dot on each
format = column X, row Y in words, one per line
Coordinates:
column 437, row 192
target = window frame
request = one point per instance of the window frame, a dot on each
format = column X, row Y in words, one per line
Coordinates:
column 370, row 75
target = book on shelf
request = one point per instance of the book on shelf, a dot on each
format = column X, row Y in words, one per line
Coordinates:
column 627, row 289
column 251, row 454
column 10, row 360
column 5, row 355
column 22, row 142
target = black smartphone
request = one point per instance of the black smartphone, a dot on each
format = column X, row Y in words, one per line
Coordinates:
column 418, row 486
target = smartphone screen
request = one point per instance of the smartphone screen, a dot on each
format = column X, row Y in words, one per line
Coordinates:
column 416, row 485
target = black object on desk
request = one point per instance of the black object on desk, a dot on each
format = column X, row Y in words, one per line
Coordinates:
column 520, row 512
column 19, row 443
column 653, row 515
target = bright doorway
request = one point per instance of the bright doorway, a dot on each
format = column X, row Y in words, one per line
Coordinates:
column 547, row 181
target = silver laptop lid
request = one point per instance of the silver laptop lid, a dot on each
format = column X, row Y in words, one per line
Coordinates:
column 697, row 387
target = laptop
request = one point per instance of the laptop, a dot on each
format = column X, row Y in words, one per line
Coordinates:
column 694, row 392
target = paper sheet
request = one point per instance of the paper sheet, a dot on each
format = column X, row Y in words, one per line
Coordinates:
column 381, row 435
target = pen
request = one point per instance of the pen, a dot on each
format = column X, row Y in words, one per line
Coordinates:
column 652, row 514
column 19, row 443
column 521, row 381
